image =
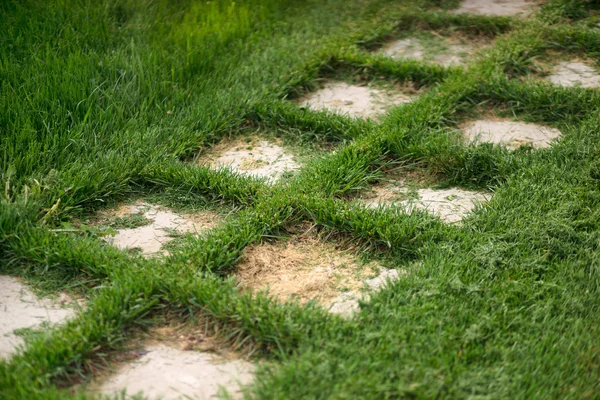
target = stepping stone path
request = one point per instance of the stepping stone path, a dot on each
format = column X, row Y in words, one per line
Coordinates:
column 150, row 238
column 305, row 268
column 410, row 48
column 571, row 74
column 256, row 158
column 21, row 309
column 353, row 100
column 512, row 134
column 450, row 205
column 496, row 7
column 170, row 373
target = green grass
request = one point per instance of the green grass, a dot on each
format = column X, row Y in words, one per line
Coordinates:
column 101, row 102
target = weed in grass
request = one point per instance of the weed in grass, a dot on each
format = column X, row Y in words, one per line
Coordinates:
column 131, row 221
column 573, row 10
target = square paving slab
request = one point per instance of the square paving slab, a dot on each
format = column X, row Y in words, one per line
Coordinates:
column 512, row 134
column 254, row 157
column 412, row 48
column 166, row 372
column 161, row 222
column 496, row 7
column 353, row 100
column 569, row 74
column 21, row 309
column 450, row 205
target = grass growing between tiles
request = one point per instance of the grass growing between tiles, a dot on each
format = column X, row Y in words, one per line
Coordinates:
column 103, row 102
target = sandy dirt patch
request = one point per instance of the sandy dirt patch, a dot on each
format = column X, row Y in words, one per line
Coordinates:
column 454, row 54
column 569, row 74
column 450, row 205
column 496, row 7
column 302, row 268
column 150, row 238
column 165, row 371
column 512, row 134
column 307, row 268
column 20, row 309
column 252, row 157
column 353, row 100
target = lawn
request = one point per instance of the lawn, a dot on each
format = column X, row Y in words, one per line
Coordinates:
column 111, row 102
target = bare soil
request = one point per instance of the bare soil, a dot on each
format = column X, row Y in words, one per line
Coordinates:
column 309, row 268
column 353, row 100
column 303, row 268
